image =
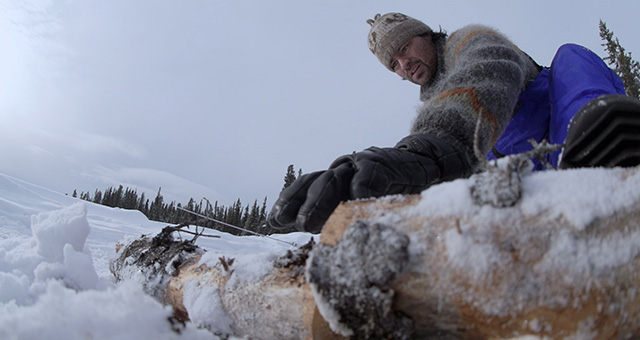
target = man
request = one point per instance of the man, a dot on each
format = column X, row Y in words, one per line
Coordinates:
column 482, row 97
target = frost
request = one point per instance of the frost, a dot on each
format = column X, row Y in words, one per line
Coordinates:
column 157, row 260
column 474, row 254
column 497, row 186
column 205, row 308
column 501, row 184
column 352, row 282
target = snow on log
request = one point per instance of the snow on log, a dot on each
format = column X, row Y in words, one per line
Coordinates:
column 560, row 262
column 277, row 305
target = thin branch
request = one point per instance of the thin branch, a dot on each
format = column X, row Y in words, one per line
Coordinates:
column 179, row 228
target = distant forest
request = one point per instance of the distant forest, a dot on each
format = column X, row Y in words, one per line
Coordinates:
column 251, row 218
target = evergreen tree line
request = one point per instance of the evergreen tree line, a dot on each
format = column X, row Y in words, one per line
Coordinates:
column 252, row 218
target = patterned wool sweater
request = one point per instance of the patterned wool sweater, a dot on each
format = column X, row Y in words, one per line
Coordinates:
column 480, row 74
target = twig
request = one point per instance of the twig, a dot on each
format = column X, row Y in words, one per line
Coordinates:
column 196, row 234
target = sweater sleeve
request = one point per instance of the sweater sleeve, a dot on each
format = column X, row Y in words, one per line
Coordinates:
column 483, row 77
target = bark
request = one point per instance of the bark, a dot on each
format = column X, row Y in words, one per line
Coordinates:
column 384, row 269
column 279, row 306
column 477, row 277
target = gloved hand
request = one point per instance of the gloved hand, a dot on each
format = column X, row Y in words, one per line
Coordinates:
column 415, row 163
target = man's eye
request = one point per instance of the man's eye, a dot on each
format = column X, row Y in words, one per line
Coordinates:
column 404, row 48
column 394, row 64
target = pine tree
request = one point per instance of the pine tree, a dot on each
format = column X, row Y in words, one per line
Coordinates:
column 170, row 215
column 234, row 214
column 85, row 196
column 107, row 198
column 141, row 203
column 97, row 197
column 621, row 61
column 130, row 199
column 254, row 219
column 244, row 218
column 263, row 213
column 289, row 177
column 157, row 206
column 118, row 196
column 191, row 206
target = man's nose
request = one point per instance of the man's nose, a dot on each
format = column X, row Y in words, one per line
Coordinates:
column 404, row 62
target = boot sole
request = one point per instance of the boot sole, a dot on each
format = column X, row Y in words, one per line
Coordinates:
column 605, row 133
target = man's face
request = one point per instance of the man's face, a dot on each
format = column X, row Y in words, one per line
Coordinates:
column 416, row 60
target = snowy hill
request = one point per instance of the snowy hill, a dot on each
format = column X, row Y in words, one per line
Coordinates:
column 54, row 268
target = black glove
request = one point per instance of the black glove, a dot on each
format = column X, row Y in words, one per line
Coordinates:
column 415, row 163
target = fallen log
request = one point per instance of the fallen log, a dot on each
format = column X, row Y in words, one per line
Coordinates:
column 441, row 266
column 544, row 267
column 277, row 306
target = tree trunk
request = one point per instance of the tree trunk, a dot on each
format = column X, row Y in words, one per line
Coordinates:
column 393, row 268
column 492, row 273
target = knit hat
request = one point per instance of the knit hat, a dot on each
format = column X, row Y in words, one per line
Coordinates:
column 389, row 32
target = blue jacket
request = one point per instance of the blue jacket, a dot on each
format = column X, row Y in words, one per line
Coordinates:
column 546, row 106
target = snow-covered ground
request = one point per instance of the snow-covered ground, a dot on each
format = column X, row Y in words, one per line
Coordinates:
column 55, row 281
column 55, row 251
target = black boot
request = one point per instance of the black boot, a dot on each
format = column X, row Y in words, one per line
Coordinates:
column 605, row 132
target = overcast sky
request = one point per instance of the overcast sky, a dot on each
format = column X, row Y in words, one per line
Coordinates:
column 216, row 98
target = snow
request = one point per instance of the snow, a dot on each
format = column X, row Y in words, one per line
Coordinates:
column 204, row 305
column 345, row 277
column 577, row 197
column 571, row 230
column 250, row 267
column 55, row 281
column 565, row 247
column 55, row 252
column 580, row 188
column 478, row 256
